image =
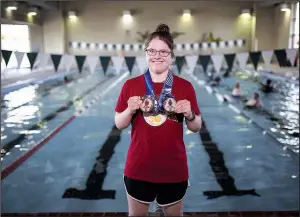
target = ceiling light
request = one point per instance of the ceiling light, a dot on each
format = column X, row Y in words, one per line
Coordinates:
column 12, row 6
column 284, row 7
column 32, row 11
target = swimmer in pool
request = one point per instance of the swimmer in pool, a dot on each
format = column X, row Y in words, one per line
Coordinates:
column 236, row 92
column 217, row 82
column 254, row 102
column 267, row 88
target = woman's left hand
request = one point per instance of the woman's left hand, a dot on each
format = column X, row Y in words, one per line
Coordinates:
column 184, row 107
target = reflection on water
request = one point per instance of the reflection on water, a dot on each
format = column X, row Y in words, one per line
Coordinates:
column 20, row 97
column 22, row 114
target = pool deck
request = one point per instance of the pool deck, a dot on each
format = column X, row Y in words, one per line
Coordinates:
column 233, row 169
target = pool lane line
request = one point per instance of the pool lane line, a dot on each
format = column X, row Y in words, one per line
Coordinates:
column 21, row 137
column 264, row 131
column 13, row 166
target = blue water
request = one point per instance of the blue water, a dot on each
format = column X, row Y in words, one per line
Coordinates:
column 253, row 159
column 283, row 103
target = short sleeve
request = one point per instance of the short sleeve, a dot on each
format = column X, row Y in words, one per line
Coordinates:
column 123, row 98
column 193, row 99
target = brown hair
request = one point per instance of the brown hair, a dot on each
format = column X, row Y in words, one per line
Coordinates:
column 163, row 33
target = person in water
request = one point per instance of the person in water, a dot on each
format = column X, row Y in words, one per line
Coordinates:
column 254, row 102
column 236, row 92
column 268, row 87
column 216, row 82
column 156, row 165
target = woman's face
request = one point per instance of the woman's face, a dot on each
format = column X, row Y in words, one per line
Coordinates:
column 158, row 62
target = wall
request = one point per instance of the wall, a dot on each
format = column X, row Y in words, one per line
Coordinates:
column 54, row 32
column 265, row 26
column 101, row 21
column 282, row 28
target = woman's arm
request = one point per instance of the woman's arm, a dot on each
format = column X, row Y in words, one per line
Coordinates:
column 194, row 125
column 123, row 119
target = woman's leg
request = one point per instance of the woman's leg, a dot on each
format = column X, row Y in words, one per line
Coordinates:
column 136, row 208
column 174, row 209
column 170, row 197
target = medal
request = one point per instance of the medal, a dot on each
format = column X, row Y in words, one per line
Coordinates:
column 169, row 105
column 155, row 120
column 158, row 105
column 147, row 104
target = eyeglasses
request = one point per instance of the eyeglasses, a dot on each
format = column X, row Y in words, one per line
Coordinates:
column 162, row 53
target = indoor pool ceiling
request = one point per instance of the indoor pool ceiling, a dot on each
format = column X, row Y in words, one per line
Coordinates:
column 54, row 5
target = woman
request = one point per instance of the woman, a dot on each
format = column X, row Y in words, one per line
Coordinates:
column 254, row 102
column 155, row 104
column 236, row 92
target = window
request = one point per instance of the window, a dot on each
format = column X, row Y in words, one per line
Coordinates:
column 15, row 38
column 294, row 33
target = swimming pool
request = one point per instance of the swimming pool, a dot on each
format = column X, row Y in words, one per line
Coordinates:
column 233, row 165
column 282, row 104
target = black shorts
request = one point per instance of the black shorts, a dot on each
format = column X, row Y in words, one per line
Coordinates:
column 164, row 193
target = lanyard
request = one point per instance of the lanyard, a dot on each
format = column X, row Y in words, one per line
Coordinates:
column 165, row 93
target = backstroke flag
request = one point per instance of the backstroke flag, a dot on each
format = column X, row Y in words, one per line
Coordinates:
column 267, row 57
column 92, row 62
column 242, row 59
column 118, row 63
column 191, row 62
column 217, row 60
column 141, row 63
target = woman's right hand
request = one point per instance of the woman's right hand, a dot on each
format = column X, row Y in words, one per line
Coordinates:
column 134, row 103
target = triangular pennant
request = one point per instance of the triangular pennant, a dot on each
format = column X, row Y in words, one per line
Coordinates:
column 191, row 61
column 12, row 63
column 217, row 60
column 32, row 57
column 118, row 62
column 67, row 61
column 105, row 62
column 6, row 55
column 38, row 61
column 92, row 63
column 291, row 55
column 255, row 57
column 179, row 63
column 204, row 60
column 229, row 60
column 267, row 57
column 19, row 56
column 141, row 63
column 281, row 57
column 25, row 62
column 130, row 62
column 56, row 60
column 80, row 61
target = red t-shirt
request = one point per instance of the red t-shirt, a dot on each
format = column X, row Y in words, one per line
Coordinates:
column 157, row 153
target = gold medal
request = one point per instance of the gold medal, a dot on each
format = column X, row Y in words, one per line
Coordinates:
column 147, row 104
column 155, row 120
column 170, row 105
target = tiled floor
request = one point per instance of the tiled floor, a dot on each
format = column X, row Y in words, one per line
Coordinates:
column 206, row 214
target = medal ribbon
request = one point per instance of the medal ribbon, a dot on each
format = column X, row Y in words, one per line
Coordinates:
column 165, row 93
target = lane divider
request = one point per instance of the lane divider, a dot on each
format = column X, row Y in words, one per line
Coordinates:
column 235, row 109
column 12, row 167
